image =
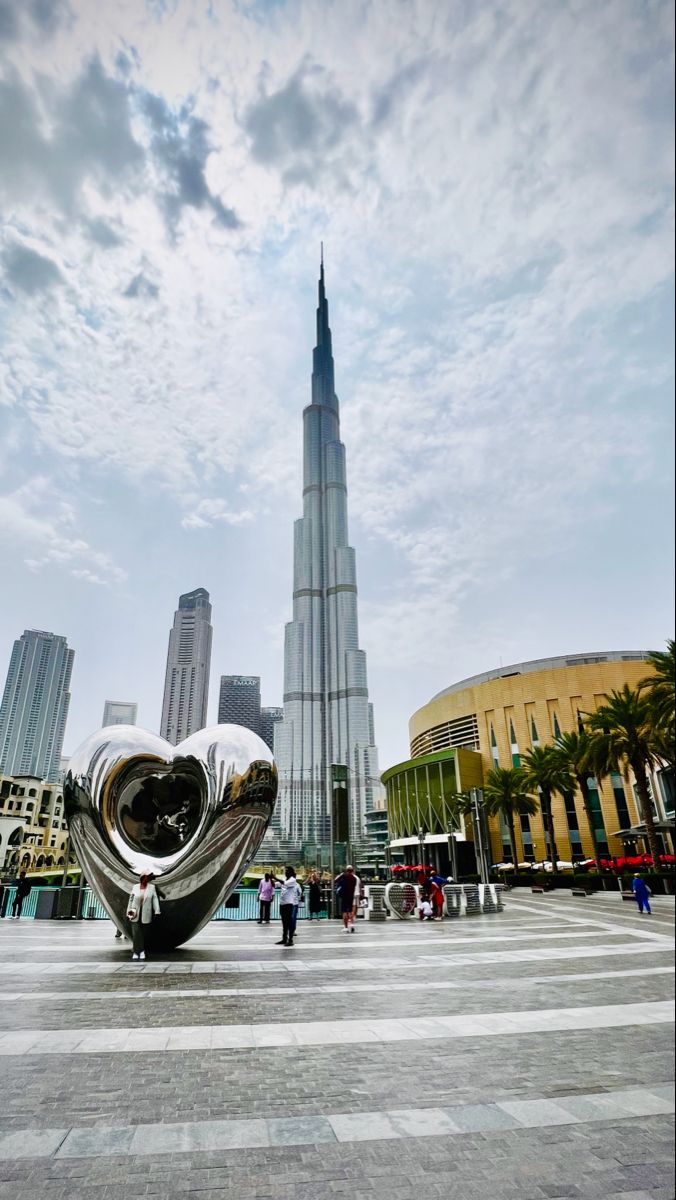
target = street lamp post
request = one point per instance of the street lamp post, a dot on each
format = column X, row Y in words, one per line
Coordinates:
column 452, row 851
column 482, row 861
column 421, row 839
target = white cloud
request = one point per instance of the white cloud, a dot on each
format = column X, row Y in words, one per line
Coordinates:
column 210, row 512
column 36, row 524
column 493, row 186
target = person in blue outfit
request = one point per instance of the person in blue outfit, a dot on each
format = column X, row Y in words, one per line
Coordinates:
column 641, row 893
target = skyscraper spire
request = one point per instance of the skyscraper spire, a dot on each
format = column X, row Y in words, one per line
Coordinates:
column 327, row 715
column 323, row 386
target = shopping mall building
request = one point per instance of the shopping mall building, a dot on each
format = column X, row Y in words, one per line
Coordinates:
column 492, row 720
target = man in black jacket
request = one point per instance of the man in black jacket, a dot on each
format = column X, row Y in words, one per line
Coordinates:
column 23, row 887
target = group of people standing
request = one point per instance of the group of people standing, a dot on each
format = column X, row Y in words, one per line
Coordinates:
column 292, row 895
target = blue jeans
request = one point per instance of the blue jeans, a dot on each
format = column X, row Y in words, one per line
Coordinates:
column 642, row 902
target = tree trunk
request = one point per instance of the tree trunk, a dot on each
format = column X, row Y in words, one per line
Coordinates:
column 547, row 810
column 638, row 767
column 586, row 801
column 512, row 839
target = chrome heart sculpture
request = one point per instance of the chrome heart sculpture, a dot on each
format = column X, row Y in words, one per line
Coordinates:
column 194, row 815
column 401, row 899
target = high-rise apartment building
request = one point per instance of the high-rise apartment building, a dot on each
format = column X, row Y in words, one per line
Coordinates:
column 186, row 685
column 269, row 718
column 239, row 701
column 119, row 712
column 327, row 716
column 35, row 705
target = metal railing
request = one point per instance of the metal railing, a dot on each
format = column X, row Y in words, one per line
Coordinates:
column 242, row 905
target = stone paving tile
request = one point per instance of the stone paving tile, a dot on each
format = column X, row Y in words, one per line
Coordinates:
column 622, row 1157
column 71, row 1013
column 82, row 1089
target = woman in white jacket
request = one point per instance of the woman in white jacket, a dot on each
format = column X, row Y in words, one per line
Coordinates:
column 143, row 905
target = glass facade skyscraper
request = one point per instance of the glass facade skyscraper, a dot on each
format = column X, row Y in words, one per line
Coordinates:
column 119, row 712
column 239, row 701
column 327, row 715
column 269, row 718
column 34, row 705
column 186, row 685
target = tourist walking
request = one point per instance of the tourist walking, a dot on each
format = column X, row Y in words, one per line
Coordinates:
column 314, row 897
column 23, row 887
column 289, row 898
column 266, row 889
column 143, row 906
column 642, row 894
column 346, row 885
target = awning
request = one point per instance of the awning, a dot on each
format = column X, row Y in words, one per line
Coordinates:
column 640, row 830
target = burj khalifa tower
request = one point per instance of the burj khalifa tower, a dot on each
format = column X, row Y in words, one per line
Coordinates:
column 327, row 715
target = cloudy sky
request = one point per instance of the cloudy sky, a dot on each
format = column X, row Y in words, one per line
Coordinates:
column 493, row 185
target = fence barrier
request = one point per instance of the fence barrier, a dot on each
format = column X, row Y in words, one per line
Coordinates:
column 241, row 905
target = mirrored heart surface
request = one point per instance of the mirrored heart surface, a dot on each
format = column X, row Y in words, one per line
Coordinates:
column 194, row 815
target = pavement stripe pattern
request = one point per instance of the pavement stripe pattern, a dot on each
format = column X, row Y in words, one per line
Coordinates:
column 527, row 1103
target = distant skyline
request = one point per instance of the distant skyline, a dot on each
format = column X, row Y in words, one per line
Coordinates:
column 494, row 188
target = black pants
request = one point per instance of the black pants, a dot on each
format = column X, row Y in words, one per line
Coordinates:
column 17, row 905
column 138, row 936
column 288, row 924
column 264, row 912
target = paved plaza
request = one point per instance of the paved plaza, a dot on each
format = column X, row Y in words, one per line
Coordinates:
column 521, row 1056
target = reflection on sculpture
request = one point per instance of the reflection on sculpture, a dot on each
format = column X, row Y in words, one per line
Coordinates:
column 194, row 815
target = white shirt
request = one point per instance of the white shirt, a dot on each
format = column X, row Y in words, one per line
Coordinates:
column 290, row 891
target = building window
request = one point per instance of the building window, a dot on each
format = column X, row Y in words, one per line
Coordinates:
column 620, row 801
column 665, row 779
column 494, row 749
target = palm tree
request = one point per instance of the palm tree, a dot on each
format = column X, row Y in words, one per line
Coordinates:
column 546, row 772
column 661, row 685
column 506, row 794
column 660, row 690
column 625, row 738
column 576, row 753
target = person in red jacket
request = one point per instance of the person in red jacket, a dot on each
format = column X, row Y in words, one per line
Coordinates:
column 437, row 899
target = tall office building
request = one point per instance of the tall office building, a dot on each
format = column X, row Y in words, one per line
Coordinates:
column 186, row 685
column 239, row 701
column 119, row 712
column 327, row 716
column 269, row 718
column 35, row 705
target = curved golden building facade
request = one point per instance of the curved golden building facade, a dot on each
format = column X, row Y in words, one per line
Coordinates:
column 502, row 714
